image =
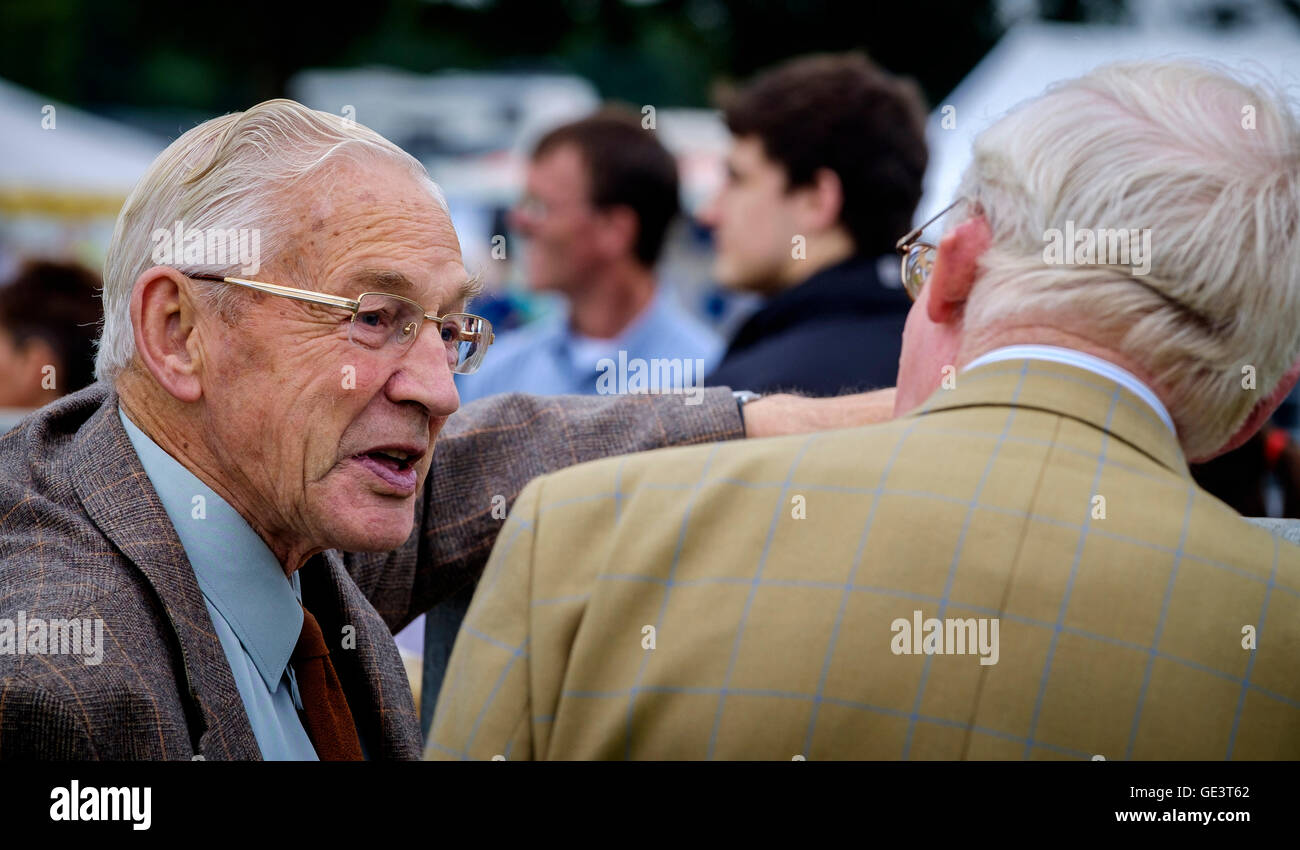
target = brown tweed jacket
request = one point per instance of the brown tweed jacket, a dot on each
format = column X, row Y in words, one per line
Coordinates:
column 760, row 600
column 84, row 535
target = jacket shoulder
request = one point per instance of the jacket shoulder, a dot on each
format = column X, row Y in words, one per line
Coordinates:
column 33, row 454
column 49, row 547
column 751, row 461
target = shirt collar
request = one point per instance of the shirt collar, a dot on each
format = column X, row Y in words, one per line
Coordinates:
column 1089, row 362
column 643, row 335
column 236, row 571
column 645, row 331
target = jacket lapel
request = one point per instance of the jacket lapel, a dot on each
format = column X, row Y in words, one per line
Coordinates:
column 1067, row 391
column 366, row 658
column 121, row 501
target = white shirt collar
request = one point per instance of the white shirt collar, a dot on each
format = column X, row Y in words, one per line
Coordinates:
column 1080, row 360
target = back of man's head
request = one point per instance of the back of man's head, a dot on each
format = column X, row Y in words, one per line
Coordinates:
column 626, row 166
column 1178, row 161
column 53, row 305
column 842, row 113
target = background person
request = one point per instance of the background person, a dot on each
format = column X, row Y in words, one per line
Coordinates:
column 600, row 197
column 601, row 194
column 49, row 317
column 824, row 174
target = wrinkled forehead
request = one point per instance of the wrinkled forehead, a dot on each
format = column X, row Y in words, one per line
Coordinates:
column 375, row 222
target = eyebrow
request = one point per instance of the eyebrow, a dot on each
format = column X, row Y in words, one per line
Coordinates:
column 470, row 289
column 399, row 284
column 381, row 279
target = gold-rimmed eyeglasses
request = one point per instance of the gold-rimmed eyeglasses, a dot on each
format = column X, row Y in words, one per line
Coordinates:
column 918, row 257
column 383, row 320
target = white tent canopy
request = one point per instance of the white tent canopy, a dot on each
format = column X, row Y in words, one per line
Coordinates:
column 1034, row 54
column 82, row 155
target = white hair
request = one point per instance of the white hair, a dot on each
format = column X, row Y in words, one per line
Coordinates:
column 227, row 173
column 1211, row 166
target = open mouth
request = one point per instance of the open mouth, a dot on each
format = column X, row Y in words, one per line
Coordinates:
column 394, row 467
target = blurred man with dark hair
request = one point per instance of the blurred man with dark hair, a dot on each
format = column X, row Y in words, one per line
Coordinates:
column 48, row 321
column 825, row 173
column 601, row 195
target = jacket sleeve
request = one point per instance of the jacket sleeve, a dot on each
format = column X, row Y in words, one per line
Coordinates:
column 489, row 450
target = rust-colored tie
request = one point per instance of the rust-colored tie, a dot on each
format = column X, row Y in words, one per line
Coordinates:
column 324, row 707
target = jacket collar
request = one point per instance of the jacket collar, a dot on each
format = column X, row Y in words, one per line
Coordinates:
column 1068, row 391
column 852, row 287
column 121, row 501
column 855, row 283
column 236, row 570
column 1085, row 361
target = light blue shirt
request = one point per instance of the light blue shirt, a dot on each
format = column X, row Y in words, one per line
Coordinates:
column 255, row 609
column 547, row 358
column 1080, row 360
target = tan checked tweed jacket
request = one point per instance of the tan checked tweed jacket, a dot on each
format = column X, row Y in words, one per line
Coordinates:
column 753, row 601
column 84, row 535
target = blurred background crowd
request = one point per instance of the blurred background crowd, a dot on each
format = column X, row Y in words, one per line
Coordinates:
column 530, row 116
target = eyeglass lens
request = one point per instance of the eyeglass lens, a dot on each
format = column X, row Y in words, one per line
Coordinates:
column 384, row 320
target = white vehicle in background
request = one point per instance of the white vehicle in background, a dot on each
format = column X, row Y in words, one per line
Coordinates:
column 474, row 131
column 471, row 130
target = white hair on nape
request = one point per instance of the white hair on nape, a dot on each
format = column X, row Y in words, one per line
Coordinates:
column 228, row 173
column 1170, row 147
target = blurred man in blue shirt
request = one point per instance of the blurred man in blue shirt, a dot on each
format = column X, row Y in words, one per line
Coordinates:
column 600, row 196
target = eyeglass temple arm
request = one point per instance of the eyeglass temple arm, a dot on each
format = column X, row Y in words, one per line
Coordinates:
column 912, row 235
column 286, row 291
column 308, row 296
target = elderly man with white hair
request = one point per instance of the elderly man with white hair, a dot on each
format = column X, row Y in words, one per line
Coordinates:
column 1020, row 565
column 205, row 554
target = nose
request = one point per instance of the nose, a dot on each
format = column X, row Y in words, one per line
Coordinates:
column 422, row 375
column 708, row 214
column 520, row 219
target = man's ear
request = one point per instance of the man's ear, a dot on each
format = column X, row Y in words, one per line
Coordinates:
column 162, row 319
column 1259, row 414
column 618, row 236
column 956, row 265
column 823, row 201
